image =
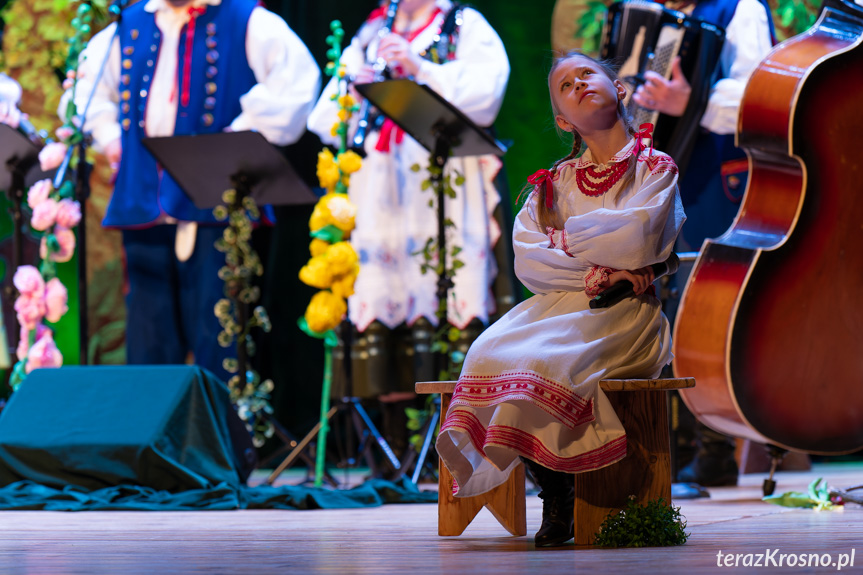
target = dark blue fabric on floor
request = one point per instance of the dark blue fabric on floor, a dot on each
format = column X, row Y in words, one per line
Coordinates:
column 25, row 495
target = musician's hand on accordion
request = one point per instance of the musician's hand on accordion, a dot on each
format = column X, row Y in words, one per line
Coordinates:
column 666, row 96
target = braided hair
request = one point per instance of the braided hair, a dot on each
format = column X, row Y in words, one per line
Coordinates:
column 544, row 216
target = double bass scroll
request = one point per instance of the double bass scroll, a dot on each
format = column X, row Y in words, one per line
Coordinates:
column 771, row 321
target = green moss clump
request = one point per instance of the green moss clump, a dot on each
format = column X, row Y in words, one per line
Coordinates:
column 656, row 524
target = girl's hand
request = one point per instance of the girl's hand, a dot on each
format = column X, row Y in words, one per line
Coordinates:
column 640, row 278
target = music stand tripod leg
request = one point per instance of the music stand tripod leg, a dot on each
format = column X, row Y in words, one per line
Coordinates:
column 299, row 450
column 82, row 194
column 429, row 437
column 379, row 439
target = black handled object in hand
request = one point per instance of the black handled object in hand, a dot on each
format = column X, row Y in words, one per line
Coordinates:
column 623, row 288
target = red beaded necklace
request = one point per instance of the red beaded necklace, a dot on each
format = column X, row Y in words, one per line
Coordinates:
column 594, row 182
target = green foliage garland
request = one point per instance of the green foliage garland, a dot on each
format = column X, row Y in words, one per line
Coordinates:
column 656, row 524
column 249, row 393
column 446, row 336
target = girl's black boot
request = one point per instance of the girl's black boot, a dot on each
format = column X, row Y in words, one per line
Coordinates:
column 558, row 502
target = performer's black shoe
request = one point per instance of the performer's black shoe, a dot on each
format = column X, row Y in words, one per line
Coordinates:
column 688, row 491
column 558, row 505
column 710, row 471
column 558, row 522
column 714, row 464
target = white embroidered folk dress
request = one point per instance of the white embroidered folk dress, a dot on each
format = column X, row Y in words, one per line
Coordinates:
column 529, row 386
column 394, row 219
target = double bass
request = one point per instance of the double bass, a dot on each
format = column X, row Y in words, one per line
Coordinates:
column 771, row 321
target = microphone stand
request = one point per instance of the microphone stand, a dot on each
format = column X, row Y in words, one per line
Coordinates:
column 82, row 190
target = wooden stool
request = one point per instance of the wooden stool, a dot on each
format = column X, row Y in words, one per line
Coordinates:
column 506, row 502
column 645, row 472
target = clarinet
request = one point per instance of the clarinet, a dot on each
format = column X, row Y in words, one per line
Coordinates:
column 379, row 66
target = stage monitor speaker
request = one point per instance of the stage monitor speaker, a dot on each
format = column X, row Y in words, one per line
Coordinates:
column 170, row 428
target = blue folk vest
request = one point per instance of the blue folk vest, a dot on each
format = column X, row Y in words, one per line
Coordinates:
column 220, row 74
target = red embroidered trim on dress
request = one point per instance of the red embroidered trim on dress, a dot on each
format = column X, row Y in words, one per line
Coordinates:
column 659, row 163
column 594, row 279
column 530, row 446
column 467, row 423
column 551, row 233
column 553, row 398
column 564, row 243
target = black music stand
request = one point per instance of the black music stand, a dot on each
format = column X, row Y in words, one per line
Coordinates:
column 205, row 165
column 446, row 132
column 21, row 158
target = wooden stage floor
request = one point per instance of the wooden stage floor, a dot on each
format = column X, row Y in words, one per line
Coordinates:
column 403, row 539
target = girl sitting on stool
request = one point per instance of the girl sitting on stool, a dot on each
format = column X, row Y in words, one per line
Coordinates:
column 529, row 386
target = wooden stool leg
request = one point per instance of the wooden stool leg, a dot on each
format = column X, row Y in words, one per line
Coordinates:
column 645, row 472
column 506, row 502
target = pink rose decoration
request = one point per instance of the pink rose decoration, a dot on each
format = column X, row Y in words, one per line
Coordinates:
column 23, row 344
column 56, row 298
column 28, row 281
column 51, row 156
column 45, row 215
column 44, row 353
column 63, row 133
column 68, row 213
column 30, row 310
column 38, row 193
column 66, row 238
column 24, row 341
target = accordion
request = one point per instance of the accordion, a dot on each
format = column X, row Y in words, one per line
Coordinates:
column 641, row 36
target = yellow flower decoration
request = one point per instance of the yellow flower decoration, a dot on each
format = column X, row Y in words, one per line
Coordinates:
column 318, row 247
column 334, row 131
column 342, row 211
column 349, row 162
column 328, row 170
column 344, row 115
column 341, row 258
column 347, row 101
column 317, row 273
column 321, row 216
column 344, row 285
column 325, row 311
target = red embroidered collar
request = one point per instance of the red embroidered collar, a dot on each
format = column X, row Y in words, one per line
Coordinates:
column 381, row 12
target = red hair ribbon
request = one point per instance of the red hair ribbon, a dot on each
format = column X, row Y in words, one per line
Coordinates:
column 194, row 12
column 644, row 131
column 544, row 176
